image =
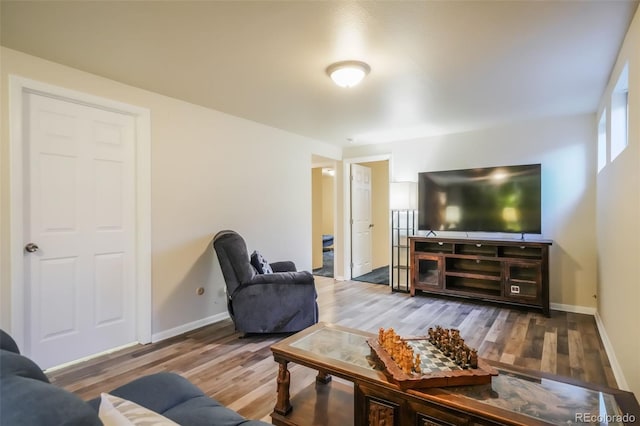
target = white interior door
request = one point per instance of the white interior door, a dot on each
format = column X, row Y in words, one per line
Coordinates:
column 80, row 213
column 360, row 220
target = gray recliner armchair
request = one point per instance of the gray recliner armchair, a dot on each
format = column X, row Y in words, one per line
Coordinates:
column 282, row 301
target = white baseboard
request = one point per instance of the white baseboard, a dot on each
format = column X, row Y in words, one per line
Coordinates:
column 156, row 337
column 89, row 357
column 608, row 347
column 573, row 308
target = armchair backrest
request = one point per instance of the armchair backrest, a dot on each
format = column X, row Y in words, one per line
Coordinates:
column 234, row 259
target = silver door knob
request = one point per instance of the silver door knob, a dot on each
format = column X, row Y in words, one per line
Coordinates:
column 31, row 248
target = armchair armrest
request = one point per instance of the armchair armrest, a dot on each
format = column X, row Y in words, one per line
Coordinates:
column 286, row 266
column 299, row 277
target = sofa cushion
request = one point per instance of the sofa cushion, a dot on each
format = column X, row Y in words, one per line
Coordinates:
column 7, row 342
column 116, row 411
column 196, row 411
column 27, row 397
column 14, row 364
column 177, row 399
column 260, row 263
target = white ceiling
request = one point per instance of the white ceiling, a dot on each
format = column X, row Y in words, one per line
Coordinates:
column 436, row 66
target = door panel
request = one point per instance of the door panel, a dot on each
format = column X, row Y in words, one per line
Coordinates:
column 110, row 294
column 361, row 220
column 80, row 211
column 58, row 288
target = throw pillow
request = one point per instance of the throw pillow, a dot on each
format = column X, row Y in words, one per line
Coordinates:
column 116, row 411
column 260, row 263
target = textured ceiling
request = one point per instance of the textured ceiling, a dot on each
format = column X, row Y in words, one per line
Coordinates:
column 436, row 66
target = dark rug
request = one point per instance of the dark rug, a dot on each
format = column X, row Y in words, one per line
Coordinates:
column 377, row 276
column 327, row 265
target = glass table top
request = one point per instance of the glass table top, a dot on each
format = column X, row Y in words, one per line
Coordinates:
column 544, row 399
column 548, row 400
column 339, row 345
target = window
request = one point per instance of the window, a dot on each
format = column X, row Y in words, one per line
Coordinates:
column 602, row 141
column 620, row 114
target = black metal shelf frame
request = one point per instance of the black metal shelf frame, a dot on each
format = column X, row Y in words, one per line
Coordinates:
column 403, row 225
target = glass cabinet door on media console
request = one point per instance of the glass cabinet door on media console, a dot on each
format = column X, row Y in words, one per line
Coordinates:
column 428, row 275
column 523, row 280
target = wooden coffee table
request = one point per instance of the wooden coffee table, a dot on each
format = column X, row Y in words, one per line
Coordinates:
column 515, row 397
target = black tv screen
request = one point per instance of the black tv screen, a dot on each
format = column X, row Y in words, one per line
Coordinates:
column 492, row 199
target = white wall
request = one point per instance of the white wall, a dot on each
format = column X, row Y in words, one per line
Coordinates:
column 618, row 227
column 565, row 146
column 210, row 171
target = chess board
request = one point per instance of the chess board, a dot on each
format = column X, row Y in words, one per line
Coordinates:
column 431, row 358
column 438, row 370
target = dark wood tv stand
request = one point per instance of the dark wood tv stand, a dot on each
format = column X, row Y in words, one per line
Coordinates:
column 514, row 272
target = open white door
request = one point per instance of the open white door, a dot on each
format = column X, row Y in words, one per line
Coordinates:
column 79, row 218
column 360, row 220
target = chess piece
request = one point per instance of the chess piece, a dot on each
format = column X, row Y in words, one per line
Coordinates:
column 407, row 361
column 455, row 336
column 457, row 355
column 417, row 365
column 443, row 344
column 397, row 346
column 473, row 358
column 463, row 358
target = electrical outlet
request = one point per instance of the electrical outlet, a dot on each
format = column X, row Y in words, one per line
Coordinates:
column 515, row 289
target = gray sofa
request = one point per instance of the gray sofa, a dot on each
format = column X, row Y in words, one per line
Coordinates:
column 28, row 398
column 279, row 300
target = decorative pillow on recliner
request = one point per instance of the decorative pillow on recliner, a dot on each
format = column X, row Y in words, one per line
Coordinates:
column 260, row 263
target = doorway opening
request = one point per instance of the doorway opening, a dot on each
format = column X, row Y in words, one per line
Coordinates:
column 323, row 183
column 369, row 218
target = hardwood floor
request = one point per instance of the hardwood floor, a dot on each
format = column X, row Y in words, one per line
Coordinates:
column 241, row 373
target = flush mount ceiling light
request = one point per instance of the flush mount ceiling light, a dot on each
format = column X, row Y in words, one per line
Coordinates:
column 348, row 73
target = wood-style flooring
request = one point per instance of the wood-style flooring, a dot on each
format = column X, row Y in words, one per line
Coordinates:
column 240, row 372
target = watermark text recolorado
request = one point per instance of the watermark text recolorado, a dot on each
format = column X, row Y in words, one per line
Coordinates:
column 605, row 418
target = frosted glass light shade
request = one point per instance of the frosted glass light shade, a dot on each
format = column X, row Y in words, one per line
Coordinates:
column 348, row 73
column 403, row 195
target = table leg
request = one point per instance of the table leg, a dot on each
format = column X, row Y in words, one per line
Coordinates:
column 283, row 404
column 323, row 377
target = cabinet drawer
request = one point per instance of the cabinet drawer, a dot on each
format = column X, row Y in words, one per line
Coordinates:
column 477, row 249
column 522, row 252
column 377, row 407
column 428, row 415
column 433, row 247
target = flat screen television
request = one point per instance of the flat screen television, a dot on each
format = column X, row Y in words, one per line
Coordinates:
column 493, row 199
